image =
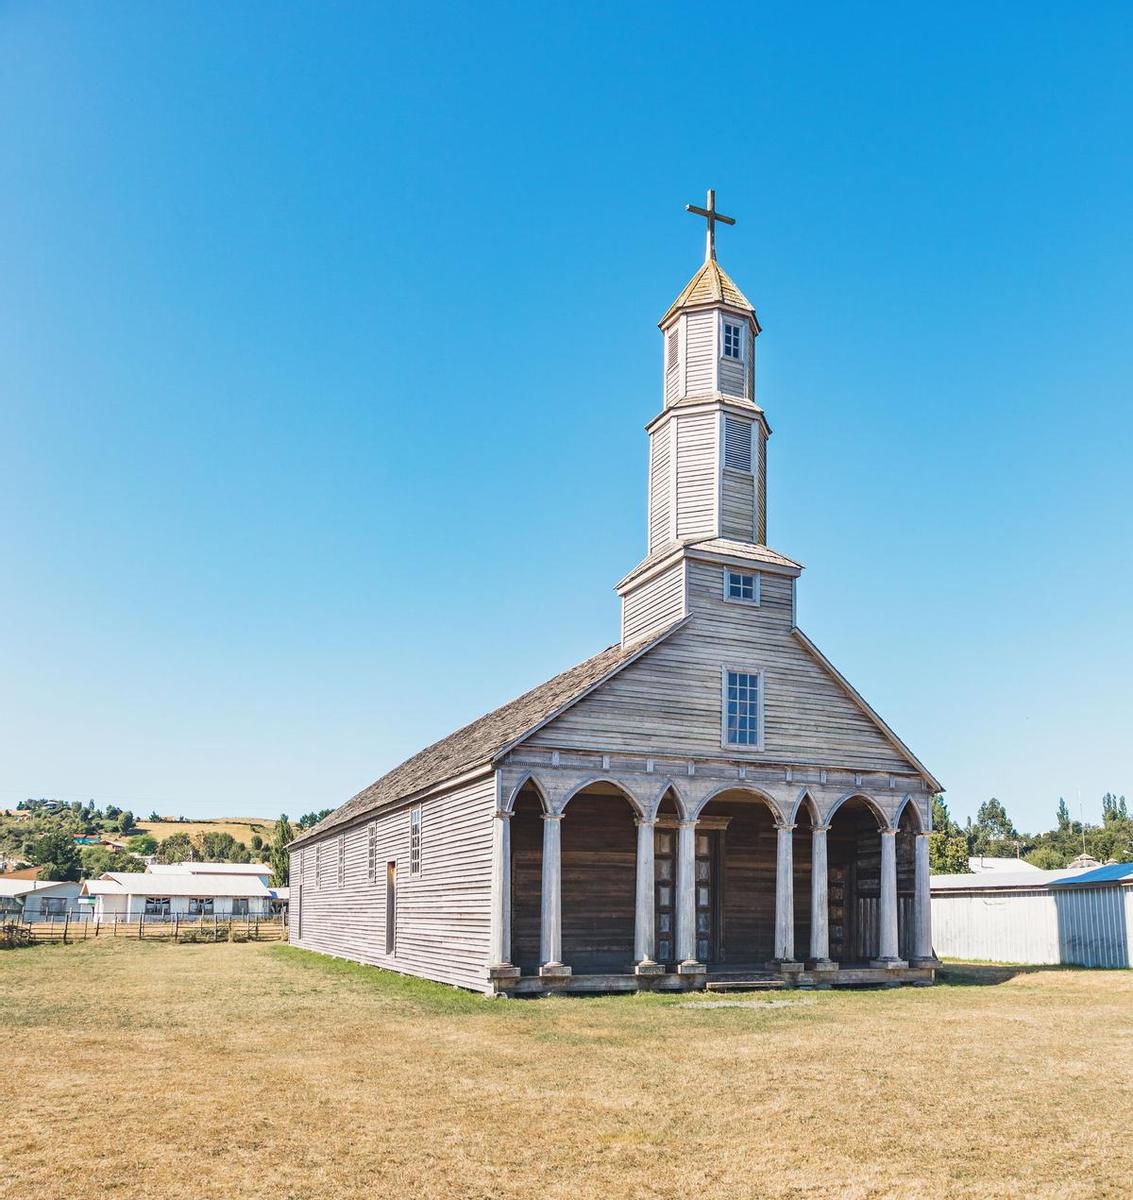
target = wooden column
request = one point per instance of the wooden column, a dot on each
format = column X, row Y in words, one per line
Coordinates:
column 686, row 893
column 551, row 937
column 784, row 894
column 922, row 905
column 819, row 902
column 501, row 890
column 644, row 920
column 887, row 906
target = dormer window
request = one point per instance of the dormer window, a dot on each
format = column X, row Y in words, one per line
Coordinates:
column 733, row 341
column 741, row 586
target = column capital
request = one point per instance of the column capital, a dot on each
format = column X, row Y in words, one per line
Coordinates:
column 924, row 833
column 504, row 814
column 650, row 821
column 784, row 826
column 820, row 829
column 888, row 832
column 689, row 824
column 552, row 816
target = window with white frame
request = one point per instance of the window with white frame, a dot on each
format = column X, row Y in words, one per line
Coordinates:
column 415, row 840
column 56, row 906
column 200, row 906
column 737, row 444
column 743, row 704
column 342, row 860
column 157, row 906
column 733, row 341
column 742, row 586
column 372, row 853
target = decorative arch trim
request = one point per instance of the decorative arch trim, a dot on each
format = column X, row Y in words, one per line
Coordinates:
column 875, row 808
column 739, row 786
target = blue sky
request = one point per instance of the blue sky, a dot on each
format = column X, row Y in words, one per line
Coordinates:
column 327, row 336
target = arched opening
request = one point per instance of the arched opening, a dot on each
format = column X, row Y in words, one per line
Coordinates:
column 906, row 850
column 802, row 845
column 665, row 881
column 599, row 875
column 853, row 848
column 526, row 878
column 735, row 880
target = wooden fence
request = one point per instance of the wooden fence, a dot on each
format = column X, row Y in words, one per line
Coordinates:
column 177, row 928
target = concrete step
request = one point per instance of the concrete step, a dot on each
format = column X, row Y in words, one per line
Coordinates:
column 760, row 983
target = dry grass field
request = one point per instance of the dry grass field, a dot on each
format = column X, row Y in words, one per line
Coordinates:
column 250, row 1071
column 241, row 828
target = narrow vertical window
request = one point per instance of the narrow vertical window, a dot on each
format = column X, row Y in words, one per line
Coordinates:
column 391, row 907
column 415, row 840
column 671, row 349
column 342, row 860
column 319, row 865
column 733, row 341
column 742, row 703
column 372, row 852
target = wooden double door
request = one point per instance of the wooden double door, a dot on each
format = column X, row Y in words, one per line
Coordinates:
column 707, row 893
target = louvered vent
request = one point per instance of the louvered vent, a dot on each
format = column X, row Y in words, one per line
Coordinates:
column 671, row 350
column 737, row 444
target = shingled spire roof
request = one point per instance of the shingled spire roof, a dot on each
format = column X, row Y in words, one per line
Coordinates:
column 710, row 285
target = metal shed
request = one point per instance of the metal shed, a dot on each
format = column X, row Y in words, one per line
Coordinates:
column 1041, row 917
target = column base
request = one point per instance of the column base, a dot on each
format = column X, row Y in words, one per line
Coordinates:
column 888, row 964
column 503, row 973
column 932, row 962
column 691, row 967
column 551, row 971
column 648, row 968
column 821, row 965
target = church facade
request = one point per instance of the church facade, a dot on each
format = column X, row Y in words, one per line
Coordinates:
column 707, row 802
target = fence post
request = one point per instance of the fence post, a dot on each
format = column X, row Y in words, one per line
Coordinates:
column 141, row 923
column 215, row 928
column 66, row 924
column 175, row 924
column 115, row 924
column 51, row 927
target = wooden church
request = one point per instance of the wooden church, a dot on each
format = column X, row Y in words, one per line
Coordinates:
column 707, row 802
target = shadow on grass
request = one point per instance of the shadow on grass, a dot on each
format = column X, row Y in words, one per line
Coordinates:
column 962, row 974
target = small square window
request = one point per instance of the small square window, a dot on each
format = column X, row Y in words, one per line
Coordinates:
column 742, row 586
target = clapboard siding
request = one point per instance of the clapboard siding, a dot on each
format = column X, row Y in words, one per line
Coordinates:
column 660, row 487
column 696, row 438
column 669, row 700
column 444, row 911
column 655, row 604
column 761, row 489
column 732, row 374
column 700, row 353
column 738, row 506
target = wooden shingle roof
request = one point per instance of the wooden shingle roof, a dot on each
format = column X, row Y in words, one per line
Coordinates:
column 710, row 285
column 480, row 742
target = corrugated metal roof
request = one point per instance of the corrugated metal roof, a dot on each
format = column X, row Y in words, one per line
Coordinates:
column 139, row 883
column 1113, row 873
column 25, row 887
column 208, row 868
column 991, row 881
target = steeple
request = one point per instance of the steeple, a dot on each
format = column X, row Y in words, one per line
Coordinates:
column 708, row 444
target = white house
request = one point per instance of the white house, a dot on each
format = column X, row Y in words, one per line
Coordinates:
column 35, row 899
column 160, row 895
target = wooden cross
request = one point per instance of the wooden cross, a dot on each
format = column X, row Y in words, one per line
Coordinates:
column 711, row 216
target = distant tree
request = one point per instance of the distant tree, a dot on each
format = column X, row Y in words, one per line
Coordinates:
column 947, row 845
column 279, row 856
column 1063, row 816
column 313, row 818
column 178, row 847
column 257, row 842
column 1047, row 858
column 222, row 847
column 126, row 821
column 98, row 859
column 112, row 812
column 141, row 843
column 56, row 856
column 76, row 807
column 154, row 816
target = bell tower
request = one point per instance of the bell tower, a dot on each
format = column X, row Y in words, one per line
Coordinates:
column 707, row 449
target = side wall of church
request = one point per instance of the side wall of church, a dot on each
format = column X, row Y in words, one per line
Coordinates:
column 654, row 605
column 443, row 911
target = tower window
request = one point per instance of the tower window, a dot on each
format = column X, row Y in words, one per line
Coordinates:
column 743, row 701
column 671, row 350
column 742, row 586
column 733, row 340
